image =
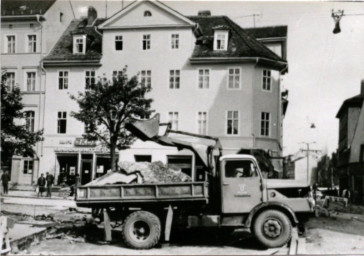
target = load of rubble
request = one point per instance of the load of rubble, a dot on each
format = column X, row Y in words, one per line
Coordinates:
column 142, row 172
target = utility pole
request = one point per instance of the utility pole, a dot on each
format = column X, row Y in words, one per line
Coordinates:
column 308, row 151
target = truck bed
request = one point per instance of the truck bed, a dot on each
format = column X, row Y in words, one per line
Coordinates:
column 87, row 196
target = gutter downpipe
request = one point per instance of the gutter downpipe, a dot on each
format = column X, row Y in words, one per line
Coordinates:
column 252, row 130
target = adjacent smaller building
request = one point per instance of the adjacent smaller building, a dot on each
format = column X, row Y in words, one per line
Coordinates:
column 351, row 145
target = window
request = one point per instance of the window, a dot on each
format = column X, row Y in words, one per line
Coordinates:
column 29, row 121
column 89, row 79
column 183, row 163
column 174, row 79
column 30, row 81
column 202, row 123
column 116, row 74
column 234, row 78
column 79, row 44
column 240, row 169
column 233, row 122
column 267, row 80
column 63, row 80
column 220, row 40
column 32, row 43
column 146, row 42
column 173, row 119
column 175, row 41
column 147, row 14
column 143, row 158
column 118, row 43
column 10, row 80
column 28, row 166
column 264, row 124
column 62, row 122
column 10, row 44
column 203, row 78
column 146, row 78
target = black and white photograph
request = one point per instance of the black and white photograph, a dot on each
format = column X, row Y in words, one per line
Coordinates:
column 166, row 127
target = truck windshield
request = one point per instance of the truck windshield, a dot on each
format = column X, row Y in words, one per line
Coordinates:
column 240, row 168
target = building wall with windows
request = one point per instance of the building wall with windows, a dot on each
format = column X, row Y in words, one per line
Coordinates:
column 238, row 101
column 28, row 31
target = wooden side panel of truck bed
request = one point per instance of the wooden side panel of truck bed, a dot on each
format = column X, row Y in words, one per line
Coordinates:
column 119, row 193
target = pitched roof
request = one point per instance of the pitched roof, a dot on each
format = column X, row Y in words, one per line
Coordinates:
column 63, row 49
column 240, row 44
column 267, row 32
column 21, row 7
column 356, row 101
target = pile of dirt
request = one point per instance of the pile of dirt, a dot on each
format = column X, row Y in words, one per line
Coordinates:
column 155, row 172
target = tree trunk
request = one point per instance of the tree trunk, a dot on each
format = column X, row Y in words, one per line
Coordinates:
column 113, row 157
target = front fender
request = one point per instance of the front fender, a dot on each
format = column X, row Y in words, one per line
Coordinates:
column 274, row 206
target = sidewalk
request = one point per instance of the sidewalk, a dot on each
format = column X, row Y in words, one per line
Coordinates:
column 33, row 194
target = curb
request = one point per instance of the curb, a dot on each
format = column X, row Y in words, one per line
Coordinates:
column 25, row 242
column 34, row 197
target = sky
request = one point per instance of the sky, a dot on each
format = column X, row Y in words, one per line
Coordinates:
column 324, row 68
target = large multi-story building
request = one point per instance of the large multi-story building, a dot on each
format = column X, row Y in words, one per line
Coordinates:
column 208, row 76
column 351, row 145
column 29, row 29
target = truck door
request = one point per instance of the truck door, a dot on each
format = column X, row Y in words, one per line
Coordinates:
column 241, row 186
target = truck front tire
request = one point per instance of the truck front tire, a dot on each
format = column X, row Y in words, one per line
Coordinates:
column 272, row 228
column 141, row 230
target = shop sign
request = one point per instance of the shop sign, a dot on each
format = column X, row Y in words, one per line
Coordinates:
column 81, row 142
column 63, row 142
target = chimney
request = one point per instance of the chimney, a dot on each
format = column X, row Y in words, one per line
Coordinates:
column 362, row 87
column 91, row 15
column 204, row 13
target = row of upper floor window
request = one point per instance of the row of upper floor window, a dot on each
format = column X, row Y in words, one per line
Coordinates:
column 145, row 76
column 11, row 44
column 231, row 124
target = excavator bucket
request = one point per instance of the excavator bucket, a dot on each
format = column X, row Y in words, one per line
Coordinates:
column 144, row 129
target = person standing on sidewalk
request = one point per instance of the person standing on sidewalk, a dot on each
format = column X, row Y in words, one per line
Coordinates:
column 50, row 180
column 41, row 185
column 5, row 181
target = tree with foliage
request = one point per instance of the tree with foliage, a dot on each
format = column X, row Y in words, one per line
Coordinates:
column 324, row 174
column 16, row 138
column 107, row 106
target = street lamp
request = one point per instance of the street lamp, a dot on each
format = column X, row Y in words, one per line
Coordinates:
column 337, row 17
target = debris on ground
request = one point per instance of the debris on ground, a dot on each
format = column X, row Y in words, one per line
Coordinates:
column 142, row 172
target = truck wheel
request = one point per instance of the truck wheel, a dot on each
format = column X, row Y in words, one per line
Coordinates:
column 141, row 230
column 272, row 228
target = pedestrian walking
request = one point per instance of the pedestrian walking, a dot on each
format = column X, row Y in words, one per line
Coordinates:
column 5, row 181
column 49, row 180
column 41, row 185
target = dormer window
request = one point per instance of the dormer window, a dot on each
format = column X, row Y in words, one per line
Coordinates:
column 79, row 44
column 221, row 40
column 147, row 14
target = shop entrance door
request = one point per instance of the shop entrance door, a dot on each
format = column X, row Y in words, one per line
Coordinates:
column 86, row 171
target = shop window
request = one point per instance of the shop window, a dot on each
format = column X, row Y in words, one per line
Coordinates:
column 28, row 166
column 183, row 163
column 143, row 158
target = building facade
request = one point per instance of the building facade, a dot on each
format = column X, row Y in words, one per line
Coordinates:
column 29, row 29
column 208, row 76
column 351, row 146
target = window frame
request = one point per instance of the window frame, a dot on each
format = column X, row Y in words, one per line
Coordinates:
column 6, row 44
column 267, row 77
column 198, row 78
column 223, row 33
column 26, row 72
column 226, row 122
column 146, row 77
column 173, row 121
column 28, row 49
column 174, row 79
column 240, row 78
column 147, row 40
column 147, row 13
column 119, row 40
column 12, row 86
column 198, row 122
column 175, row 42
column 31, row 120
column 267, row 129
column 88, row 87
column 75, row 48
column 26, row 170
column 60, row 119
column 63, row 77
